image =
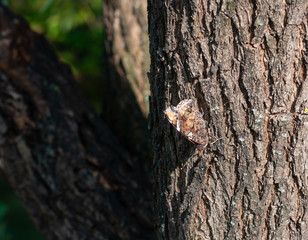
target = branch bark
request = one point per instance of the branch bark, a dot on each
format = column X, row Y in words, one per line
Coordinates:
column 70, row 173
column 245, row 65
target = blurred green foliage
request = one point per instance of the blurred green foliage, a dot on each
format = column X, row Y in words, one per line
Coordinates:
column 75, row 29
column 3, row 232
column 15, row 223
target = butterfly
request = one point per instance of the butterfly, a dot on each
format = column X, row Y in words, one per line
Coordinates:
column 187, row 119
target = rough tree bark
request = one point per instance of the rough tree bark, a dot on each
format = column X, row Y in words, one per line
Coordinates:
column 245, row 65
column 126, row 85
column 68, row 170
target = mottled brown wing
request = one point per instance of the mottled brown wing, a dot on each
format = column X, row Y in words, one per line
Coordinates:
column 171, row 116
column 191, row 124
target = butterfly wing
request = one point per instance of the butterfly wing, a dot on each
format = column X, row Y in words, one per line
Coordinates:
column 191, row 124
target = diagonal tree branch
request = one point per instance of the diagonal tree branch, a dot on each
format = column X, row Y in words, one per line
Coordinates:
column 65, row 165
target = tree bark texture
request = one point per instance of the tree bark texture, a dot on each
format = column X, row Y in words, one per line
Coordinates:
column 68, row 170
column 126, row 85
column 244, row 63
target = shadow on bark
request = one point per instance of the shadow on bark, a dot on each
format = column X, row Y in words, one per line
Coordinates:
column 69, row 171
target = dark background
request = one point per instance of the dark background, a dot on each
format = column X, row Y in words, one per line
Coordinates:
column 75, row 29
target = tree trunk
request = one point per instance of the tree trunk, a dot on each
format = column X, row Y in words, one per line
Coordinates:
column 244, row 64
column 126, row 85
column 68, row 170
